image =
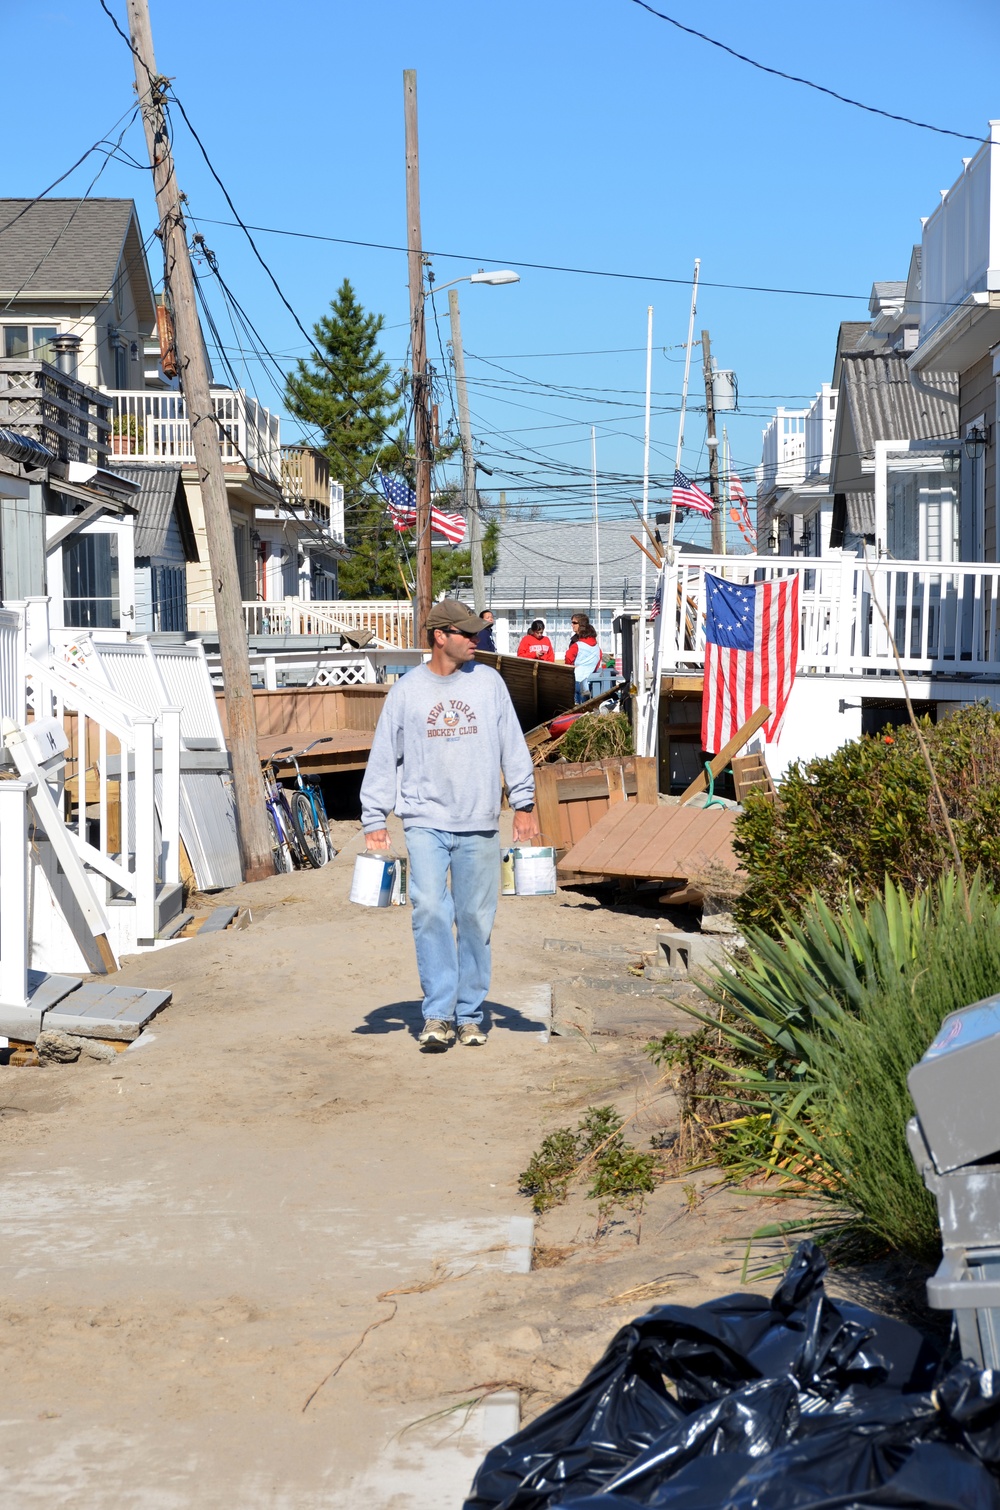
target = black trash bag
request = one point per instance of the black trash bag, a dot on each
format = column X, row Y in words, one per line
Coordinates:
column 707, row 1352
column 969, row 1400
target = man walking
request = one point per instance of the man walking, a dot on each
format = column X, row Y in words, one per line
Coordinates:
column 446, row 731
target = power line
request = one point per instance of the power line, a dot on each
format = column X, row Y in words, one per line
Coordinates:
column 542, row 267
column 792, row 78
column 57, row 181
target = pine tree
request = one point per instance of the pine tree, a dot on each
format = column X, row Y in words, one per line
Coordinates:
column 353, row 400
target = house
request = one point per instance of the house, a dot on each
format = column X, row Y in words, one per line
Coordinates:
column 888, row 515
column 552, row 568
column 959, row 332
column 163, row 546
column 76, row 283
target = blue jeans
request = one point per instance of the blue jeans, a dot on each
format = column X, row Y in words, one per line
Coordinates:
column 454, row 972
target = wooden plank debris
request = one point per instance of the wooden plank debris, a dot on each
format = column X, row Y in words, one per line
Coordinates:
column 750, row 774
column 645, row 843
column 725, row 755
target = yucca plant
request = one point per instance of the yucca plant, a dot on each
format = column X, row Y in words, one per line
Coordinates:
column 816, row 1030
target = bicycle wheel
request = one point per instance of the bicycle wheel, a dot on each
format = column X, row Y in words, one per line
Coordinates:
column 280, row 853
column 308, row 831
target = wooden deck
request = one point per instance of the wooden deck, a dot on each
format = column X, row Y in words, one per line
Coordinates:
column 346, row 716
column 645, row 843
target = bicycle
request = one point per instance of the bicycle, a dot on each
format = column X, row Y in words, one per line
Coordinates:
column 312, row 827
column 285, row 846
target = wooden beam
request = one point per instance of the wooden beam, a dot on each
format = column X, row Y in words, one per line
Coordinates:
column 725, row 755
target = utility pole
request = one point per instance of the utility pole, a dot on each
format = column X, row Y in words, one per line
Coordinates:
column 468, row 459
column 713, row 446
column 255, row 843
column 418, row 348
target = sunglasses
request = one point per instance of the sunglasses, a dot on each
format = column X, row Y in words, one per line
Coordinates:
column 468, row 634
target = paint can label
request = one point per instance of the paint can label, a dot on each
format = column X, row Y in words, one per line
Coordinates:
column 372, row 883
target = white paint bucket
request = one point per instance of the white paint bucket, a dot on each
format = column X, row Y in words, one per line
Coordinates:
column 373, row 880
column 534, row 870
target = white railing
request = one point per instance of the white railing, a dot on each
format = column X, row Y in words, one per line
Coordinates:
column 390, row 623
column 320, row 668
column 113, row 758
column 149, row 426
column 944, row 617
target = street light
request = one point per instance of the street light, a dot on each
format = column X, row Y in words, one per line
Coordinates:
column 498, row 276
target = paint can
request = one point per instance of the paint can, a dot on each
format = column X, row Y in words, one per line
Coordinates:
column 534, row 870
column 373, row 880
column 507, row 887
column 399, row 884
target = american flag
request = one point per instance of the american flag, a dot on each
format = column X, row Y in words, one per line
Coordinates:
column 751, row 651
column 688, row 495
column 654, row 607
column 740, row 513
column 402, row 503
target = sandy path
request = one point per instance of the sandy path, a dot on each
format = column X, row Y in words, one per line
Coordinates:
column 197, row 1234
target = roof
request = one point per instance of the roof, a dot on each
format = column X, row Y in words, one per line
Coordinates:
column 886, row 401
column 861, row 513
column 72, row 248
column 886, row 293
column 161, row 495
column 543, row 561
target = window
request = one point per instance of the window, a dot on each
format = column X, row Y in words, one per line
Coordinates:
column 90, row 582
column 169, row 587
column 121, row 366
column 33, row 342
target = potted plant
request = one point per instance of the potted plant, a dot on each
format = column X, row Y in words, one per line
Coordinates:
column 126, row 435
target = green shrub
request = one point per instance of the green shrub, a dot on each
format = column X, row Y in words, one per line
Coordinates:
column 866, row 814
column 819, row 1028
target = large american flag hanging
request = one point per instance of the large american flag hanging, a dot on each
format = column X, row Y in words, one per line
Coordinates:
column 751, row 651
column 688, row 495
column 402, row 503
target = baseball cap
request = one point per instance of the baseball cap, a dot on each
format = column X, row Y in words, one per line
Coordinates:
column 451, row 614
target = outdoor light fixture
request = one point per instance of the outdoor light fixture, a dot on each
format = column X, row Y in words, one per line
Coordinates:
column 951, row 461
column 976, row 440
column 501, row 275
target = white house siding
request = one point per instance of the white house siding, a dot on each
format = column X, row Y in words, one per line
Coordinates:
column 977, row 398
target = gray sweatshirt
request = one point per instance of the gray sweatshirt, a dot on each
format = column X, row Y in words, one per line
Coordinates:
column 438, row 751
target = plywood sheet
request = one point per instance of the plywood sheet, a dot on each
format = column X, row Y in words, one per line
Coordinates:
column 643, row 842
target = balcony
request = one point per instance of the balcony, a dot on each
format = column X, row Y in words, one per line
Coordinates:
column 38, row 400
column 944, row 617
column 154, row 426
column 309, row 490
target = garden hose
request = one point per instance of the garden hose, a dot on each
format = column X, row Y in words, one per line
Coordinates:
column 713, row 800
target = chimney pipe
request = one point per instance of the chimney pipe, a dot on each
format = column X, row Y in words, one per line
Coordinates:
column 67, row 350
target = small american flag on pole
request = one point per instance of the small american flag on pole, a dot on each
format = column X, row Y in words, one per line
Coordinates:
column 751, row 651
column 402, row 503
column 740, row 512
column 688, row 495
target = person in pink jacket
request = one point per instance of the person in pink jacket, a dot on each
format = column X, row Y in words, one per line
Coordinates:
column 536, row 646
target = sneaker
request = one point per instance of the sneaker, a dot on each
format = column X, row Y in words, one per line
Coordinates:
column 437, row 1035
column 471, row 1033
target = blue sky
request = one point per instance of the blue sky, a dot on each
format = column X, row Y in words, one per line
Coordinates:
column 583, row 133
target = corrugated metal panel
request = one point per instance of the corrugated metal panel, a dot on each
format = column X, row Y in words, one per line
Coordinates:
column 208, row 828
column 128, row 670
column 887, row 402
column 861, row 513
column 161, row 493
column 155, row 677
column 189, row 687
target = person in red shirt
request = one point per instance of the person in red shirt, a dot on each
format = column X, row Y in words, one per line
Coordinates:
column 583, row 654
column 535, row 646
